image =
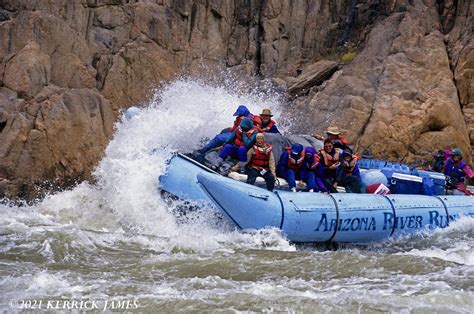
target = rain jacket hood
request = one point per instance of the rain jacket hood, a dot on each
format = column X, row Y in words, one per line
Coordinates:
column 242, row 111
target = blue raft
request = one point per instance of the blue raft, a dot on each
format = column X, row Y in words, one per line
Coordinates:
column 314, row 217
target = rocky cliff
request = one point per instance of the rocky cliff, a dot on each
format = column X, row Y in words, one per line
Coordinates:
column 395, row 75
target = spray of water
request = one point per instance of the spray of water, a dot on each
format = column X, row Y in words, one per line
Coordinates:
column 125, row 199
column 81, row 243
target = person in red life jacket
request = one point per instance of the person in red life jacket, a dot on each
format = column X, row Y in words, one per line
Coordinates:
column 261, row 162
column 239, row 143
column 331, row 160
column 334, row 134
column 219, row 140
column 350, row 178
column 457, row 170
column 265, row 123
column 289, row 166
column 312, row 171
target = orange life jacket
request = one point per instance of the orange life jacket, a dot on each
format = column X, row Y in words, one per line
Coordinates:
column 315, row 163
column 239, row 141
column 294, row 164
column 256, row 122
column 331, row 160
column 342, row 139
column 267, row 128
column 261, row 159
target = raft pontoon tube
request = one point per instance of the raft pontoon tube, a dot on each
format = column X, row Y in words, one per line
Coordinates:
column 313, row 217
column 342, row 217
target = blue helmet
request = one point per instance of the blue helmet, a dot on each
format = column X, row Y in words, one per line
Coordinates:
column 456, row 152
column 296, row 149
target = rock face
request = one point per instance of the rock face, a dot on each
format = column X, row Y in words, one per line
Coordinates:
column 397, row 97
column 59, row 136
column 403, row 88
column 460, row 21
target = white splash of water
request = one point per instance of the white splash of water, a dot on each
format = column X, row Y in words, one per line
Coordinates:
column 450, row 248
column 126, row 199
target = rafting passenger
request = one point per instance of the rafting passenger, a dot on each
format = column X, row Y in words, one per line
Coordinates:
column 350, row 178
column 290, row 163
column 334, row 134
column 366, row 154
column 239, row 142
column 219, row 140
column 332, row 166
column 439, row 161
column 312, row 171
column 261, row 162
column 457, row 170
column 265, row 122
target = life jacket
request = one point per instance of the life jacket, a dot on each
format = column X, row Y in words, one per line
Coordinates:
column 341, row 139
column 455, row 172
column 331, row 160
column 340, row 142
column 239, row 140
column 267, row 128
column 257, row 121
column 236, row 123
column 315, row 163
column 294, row 164
column 349, row 166
column 261, row 158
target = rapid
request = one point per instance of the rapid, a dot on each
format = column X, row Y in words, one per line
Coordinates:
column 119, row 245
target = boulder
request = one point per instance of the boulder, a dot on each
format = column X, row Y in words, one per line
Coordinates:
column 312, row 75
column 27, row 71
column 58, row 137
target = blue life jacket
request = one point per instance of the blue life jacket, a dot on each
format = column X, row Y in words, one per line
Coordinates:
column 455, row 172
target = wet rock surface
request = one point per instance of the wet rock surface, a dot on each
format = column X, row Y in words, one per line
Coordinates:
column 396, row 76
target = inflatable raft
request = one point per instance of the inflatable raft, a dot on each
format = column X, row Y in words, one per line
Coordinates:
column 313, row 217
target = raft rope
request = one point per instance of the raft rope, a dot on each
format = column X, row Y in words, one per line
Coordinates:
column 337, row 217
column 394, row 213
column 445, row 209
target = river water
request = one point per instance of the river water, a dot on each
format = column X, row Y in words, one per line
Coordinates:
column 116, row 245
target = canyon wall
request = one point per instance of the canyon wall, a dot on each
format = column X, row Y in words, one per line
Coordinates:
column 395, row 75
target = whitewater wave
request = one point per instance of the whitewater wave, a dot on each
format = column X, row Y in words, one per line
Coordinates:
column 125, row 198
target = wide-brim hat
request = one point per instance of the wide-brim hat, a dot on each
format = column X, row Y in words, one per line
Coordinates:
column 334, row 130
column 266, row 112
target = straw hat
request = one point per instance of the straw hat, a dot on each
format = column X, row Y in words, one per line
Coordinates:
column 266, row 112
column 333, row 130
